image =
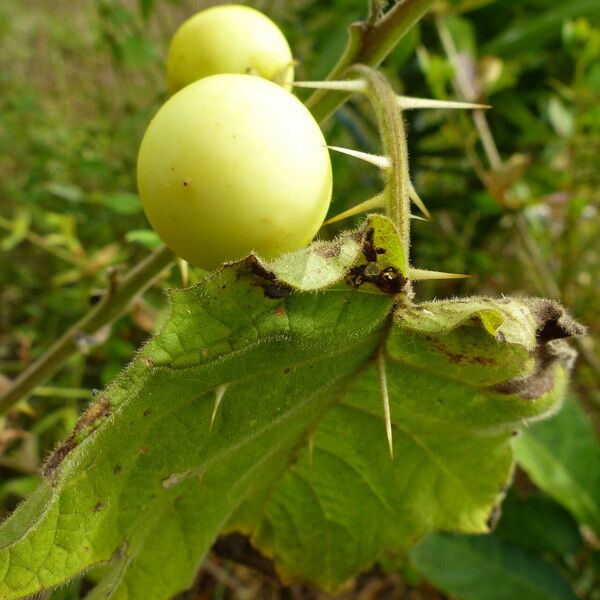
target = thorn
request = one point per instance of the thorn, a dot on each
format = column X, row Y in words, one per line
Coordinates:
column 417, row 218
column 424, row 274
column 417, row 200
column 185, row 272
column 386, row 401
column 383, row 162
column 219, row 393
column 350, row 85
column 311, row 448
column 370, row 204
column 280, row 76
column 408, row 103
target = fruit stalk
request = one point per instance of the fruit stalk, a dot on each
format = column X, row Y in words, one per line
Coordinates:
column 393, row 139
column 368, row 44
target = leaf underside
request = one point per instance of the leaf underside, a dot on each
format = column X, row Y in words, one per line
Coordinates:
column 297, row 456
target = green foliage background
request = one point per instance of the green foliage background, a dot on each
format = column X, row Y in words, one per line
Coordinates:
column 78, row 84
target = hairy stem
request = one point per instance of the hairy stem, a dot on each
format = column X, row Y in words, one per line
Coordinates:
column 393, row 138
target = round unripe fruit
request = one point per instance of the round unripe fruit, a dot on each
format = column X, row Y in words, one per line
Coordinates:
column 233, row 164
column 228, row 39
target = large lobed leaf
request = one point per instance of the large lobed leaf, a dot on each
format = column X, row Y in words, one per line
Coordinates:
column 297, row 456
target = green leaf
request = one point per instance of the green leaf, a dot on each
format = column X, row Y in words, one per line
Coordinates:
column 463, row 31
column 148, row 238
column 19, row 228
column 138, row 51
column 562, row 457
column 146, row 7
column 538, row 523
column 258, row 409
column 68, row 192
column 122, row 203
column 529, row 34
column 484, row 568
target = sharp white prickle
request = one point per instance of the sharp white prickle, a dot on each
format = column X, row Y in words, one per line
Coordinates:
column 370, row 204
column 424, row 275
column 408, row 103
column 185, row 272
column 412, row 193
column 385, row 397
column 311, row 448
column 383, row 162
column 350, row 85
column 219, row 393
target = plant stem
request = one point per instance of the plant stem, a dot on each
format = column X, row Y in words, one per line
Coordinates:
column 368, row 44
column 109, row 308
column 40, row 241
column 393, row 138
column 60, row 392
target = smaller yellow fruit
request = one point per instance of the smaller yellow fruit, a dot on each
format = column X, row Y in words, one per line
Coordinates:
column 228, row 39
column 233, row 164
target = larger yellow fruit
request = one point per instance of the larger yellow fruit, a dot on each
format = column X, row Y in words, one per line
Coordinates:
column 228, row 39
column 233, row 164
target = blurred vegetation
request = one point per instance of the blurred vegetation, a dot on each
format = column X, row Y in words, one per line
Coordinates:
column 515, row 199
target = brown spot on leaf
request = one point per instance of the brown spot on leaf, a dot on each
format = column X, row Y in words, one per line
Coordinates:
column 117, row 469
column 99, row 506
column 58, row 456
column 277, row 290
column 493, row 517
column 260, row 270
column 144, row 450
column 96, row 411
column 389, row 281
column 553, row 322
column 541, row 380
column 457, row 357
column 147, row 412
column 266, row 279
column 237, row 548
column 89, row 421
column 368, row 248
column 121, row 550
column 328, row 250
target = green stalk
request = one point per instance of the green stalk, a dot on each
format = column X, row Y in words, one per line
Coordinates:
column 393, row 139
column 368, row 44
